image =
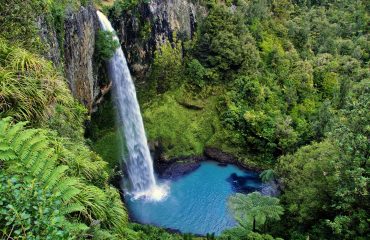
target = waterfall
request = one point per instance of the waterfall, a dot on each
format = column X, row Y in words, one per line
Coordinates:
column 138, row 163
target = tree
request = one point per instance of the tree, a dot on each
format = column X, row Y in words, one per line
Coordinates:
column 325, row 185
column 254, row 209
column 167, row 70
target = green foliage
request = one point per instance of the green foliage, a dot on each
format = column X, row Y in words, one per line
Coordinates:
column 241, row 234
column 18, row 22
column 325, row 184
column 310, row 172
column 32, row 90
column 167, row 72
column 147, row 232
column 252, row 210
column 106, row 44
column 109, row 147
column 224, row 43
column 181, row 131
column 120, row 6
column 38, row 156
column 27, row 154
column 196, row 72
column 28, row 211
column 268, row 175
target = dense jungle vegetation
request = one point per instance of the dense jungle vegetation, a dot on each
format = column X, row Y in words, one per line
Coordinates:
column 283, row 85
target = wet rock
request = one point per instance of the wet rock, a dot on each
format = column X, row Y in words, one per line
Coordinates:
column 179, row 169
column 271, row 188
column 219, row 156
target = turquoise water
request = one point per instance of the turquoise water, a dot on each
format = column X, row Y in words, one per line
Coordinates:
column 197, row 202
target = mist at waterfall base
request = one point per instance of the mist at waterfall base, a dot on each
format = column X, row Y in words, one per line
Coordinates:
column 197, row 202
column 138, row 161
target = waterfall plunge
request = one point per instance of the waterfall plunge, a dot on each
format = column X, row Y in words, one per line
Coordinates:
column 138, row 162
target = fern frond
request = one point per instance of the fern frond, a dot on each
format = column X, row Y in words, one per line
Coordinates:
column 19, row 140
column 71, row 208
column 7, row 155
column 95, row 200
column 15, row 130
column 27, row 150
column 70, row 193
column 76, row 228
column 49, row 160
column 54, row 177
column 67, row 183
column 4, row 146
column 4, row 124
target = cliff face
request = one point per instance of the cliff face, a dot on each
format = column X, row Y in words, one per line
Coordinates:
column 80, row 31
column 78, row 62
column 141, row 31
column 145, row 28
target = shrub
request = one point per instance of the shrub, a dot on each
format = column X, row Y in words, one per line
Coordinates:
column 106, row 44
column 28, row 211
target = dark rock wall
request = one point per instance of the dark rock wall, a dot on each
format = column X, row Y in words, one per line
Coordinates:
column 49, row 38
column 141, row 31
column 76, row 56
column 79, row 45
column 145, row 28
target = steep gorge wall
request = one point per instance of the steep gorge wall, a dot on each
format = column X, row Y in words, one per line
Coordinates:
column 145, row 28
column 79, row 45
column 141, row 31
column 76, row 55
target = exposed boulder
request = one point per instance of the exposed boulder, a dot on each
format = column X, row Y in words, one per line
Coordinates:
column 179, row 169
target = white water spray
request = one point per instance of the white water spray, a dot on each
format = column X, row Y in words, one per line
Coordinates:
column 138, row 162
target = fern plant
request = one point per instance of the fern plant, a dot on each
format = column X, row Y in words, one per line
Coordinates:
column 26, row 153
column 35, row 156
column 32, row 90
column 29, row 212
column 254, row 209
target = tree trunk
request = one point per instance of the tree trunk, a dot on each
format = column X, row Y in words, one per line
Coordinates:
column 254, row 224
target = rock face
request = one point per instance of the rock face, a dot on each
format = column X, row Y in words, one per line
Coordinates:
column 179, row 169
column 145, row 28
column 80, row 31
column 49, row 38
column 219, row 156
column 80, row 67
column 141, row 31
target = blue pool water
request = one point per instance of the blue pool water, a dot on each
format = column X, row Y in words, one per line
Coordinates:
column 197, row 202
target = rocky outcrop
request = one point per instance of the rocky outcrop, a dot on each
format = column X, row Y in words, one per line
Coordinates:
column 141, row 31
column 145, row 28
column 49, row 38
column 219, row 156
column 76, row 55
column 226, row 158
column 179, row 169
column 80, row 31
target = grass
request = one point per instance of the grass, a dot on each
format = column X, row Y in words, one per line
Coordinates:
column 184, row 131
